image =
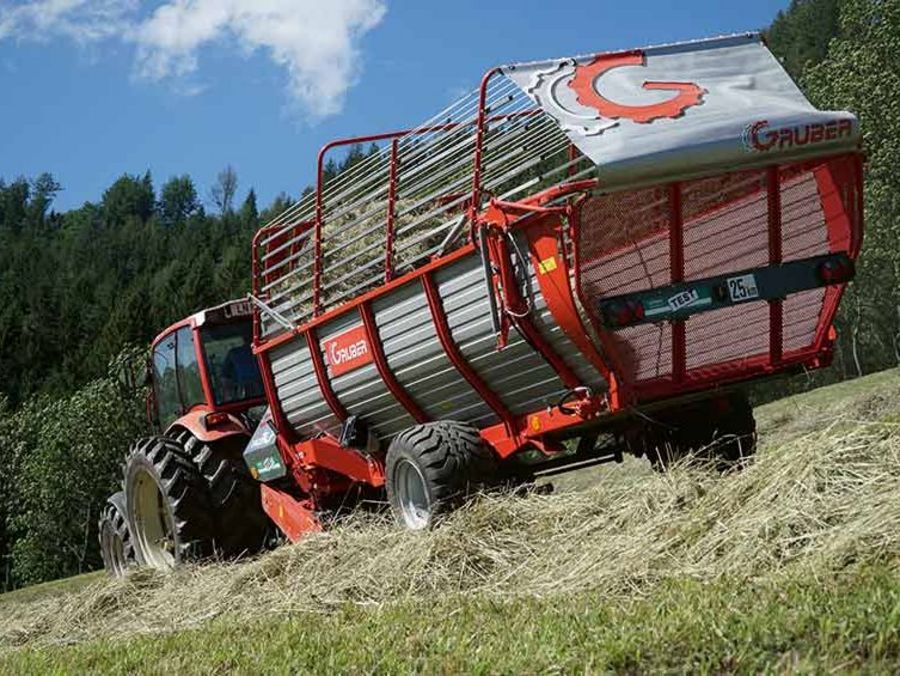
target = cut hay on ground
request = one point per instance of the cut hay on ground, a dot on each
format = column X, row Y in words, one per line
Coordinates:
column 819, row 500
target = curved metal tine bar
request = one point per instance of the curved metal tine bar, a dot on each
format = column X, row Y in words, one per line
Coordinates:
column 288, row 297
column 366, row 218
column 287, row 261
column 379, row 245
column 466, row 105
column 376, row 173
column 286, row 245
column 437, row 177
column 434, row 212
column 459, row 113
column 456, row 163
column 424, row 236
column 547, row 174
column 308, row 202
column 494, row 170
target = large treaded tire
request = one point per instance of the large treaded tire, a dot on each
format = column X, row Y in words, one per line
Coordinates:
column 179, row 526
column 116, row 547
column 241, row 525
column 449, row 460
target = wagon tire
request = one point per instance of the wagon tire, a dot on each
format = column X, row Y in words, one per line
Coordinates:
column 721, row 431
column 116, row 546
column 167, row 504
column 433, row 468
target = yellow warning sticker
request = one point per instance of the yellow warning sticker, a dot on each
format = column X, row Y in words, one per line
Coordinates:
column 547, row 265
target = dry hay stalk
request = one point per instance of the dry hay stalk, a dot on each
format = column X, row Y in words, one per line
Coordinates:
column 358, row 238
column 817, row 501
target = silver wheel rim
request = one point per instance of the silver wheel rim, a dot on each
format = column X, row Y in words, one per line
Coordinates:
column 117, row 553
column 412, row 495
column 155, row 532
column 113, row 550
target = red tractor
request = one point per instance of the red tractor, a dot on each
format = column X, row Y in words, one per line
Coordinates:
column 187, row 492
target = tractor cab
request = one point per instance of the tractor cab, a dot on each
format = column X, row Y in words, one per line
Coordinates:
column 203, row 371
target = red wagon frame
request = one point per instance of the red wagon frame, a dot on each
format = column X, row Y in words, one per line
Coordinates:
column 549, row 221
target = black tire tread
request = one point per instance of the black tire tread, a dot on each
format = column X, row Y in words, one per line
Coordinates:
column 453, row 459
column 240, row 522
column 185, row 491
column 118, row 523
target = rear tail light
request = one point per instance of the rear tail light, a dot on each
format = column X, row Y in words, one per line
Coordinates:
column 623, row 313
column 836, row 270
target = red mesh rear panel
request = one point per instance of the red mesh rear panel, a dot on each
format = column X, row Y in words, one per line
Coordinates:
column 622, row 245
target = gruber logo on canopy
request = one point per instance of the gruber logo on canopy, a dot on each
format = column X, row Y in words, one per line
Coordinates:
column 347, row 351
column 759, row 137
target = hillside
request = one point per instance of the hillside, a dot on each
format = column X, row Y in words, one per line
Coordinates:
column 791, row 563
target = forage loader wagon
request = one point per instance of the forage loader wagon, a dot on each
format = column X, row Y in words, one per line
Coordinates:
column 596, row 250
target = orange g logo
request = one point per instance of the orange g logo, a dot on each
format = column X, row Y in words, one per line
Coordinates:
column 689, row 94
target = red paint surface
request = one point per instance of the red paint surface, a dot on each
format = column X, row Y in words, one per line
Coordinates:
column 347, row 351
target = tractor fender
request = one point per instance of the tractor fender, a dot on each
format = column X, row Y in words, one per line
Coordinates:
column 195, row 423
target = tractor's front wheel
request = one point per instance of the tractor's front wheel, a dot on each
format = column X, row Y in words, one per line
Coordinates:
column 116, row 545
column 432, row 468
column 167, row 504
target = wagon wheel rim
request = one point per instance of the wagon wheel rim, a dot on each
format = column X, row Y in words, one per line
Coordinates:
column 153, row 521
column 412, row 495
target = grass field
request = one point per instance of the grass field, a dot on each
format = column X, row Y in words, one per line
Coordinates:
column 791, row 564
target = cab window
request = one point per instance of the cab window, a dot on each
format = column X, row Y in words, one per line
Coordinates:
column 233, row 371
column 189, row 384
column 164, row 381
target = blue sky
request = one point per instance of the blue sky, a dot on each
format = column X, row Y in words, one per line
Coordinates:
column 91, row 89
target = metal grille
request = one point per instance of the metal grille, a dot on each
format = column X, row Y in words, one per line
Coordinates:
column 726, row 229
column 623, row 244
column 409, row 202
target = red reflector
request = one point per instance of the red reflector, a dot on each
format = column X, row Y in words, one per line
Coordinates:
column 836, row 271
column 216, row 419
column 625, row 312
column 637, row 310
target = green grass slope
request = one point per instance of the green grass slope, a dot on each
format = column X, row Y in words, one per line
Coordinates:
column 791, row 564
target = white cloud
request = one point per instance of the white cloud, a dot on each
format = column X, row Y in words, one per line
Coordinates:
column 314, row 41
column 80, row 20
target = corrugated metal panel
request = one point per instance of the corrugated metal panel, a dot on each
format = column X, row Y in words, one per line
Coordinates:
column 414, row 354
column 299, row 392
column 362, row 391
column 518, row 374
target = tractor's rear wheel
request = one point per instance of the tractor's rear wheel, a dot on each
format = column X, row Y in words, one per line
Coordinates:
column 432, row 468
column 241, row 525
column 116, row 546
column 167, row 503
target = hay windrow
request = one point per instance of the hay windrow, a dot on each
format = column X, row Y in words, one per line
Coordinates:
column 815, row 502
column 354, row 247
